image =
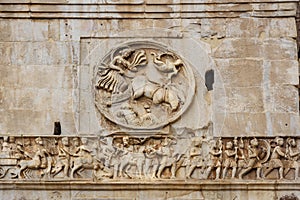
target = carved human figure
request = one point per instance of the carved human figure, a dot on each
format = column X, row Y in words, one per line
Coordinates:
column 275, row 161
column 253, row 160
column 195, row 156
column 74, row 148
column 82, row 158
column 5, row 147
column 40, row 160
column 230, row 155
column 215, row 160
column 151, row 161
column 116, row 160
column 111, row 76
column 293, row 156
column 63, row 158
column 166, row 158
column 240, row 155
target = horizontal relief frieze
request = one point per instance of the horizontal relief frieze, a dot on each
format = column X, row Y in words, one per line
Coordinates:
column 150, row 158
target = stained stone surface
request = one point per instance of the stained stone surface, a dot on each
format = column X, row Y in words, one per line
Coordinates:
column 168, row 99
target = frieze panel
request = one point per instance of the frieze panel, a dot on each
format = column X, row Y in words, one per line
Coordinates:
column 123, row 157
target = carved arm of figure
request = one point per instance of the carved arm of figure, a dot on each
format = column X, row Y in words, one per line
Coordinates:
column 293, row 153
column 231, row 153
column 278, row 150
column 216, row 153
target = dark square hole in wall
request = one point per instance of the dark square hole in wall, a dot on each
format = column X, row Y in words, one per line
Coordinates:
column 209, row 79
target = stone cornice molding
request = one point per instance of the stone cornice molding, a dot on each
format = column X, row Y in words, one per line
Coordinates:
column 153, row 9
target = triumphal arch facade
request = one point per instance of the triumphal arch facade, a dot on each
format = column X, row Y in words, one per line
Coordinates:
column 147, row 99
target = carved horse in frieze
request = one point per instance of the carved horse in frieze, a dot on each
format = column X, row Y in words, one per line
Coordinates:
column 36, row 163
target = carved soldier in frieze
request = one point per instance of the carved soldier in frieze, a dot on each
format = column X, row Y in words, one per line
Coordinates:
column 253, row 160
column 240, row 155
column 165, row 153
column 40, row 160
column 292, row 156
column 82, row 157
column 63, row 160
column 215, row 160
column 275, row 161
column 230, row 159
column 195, row 156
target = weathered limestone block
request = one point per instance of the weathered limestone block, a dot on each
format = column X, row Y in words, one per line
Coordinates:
column 282, row 72
column 240, row 72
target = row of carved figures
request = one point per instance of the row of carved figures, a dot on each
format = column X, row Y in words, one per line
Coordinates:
column 149, row 158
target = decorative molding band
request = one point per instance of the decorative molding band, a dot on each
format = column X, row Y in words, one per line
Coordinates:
column 141, row 10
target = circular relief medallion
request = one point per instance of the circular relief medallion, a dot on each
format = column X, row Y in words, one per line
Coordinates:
column 143, row 85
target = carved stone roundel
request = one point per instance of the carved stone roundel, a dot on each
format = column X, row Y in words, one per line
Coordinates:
column 143, row 85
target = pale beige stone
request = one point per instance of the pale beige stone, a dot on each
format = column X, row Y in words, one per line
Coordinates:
column 283, row 72
column 285, row 99
column 236, row 124
column 239, row 48
column 240, row 72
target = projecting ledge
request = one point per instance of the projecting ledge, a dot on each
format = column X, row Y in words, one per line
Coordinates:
column 158, row 185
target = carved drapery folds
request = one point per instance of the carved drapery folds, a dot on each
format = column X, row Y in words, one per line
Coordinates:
column 143, row 86
column 149, row 158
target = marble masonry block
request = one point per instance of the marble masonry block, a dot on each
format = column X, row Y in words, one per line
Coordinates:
column 235, row 124
column 240, row 48
column 283, row 72
column 240, row 72
column 285, row 99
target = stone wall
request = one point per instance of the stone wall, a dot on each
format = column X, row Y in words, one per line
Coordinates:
column 233, row 72
column 252, row 45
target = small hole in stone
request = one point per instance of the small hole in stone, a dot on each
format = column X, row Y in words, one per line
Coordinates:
column 57, row 128
column 66, row 35
column 209, row 79
column 286, row 124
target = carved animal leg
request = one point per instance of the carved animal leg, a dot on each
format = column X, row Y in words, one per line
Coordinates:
column 74, row 169
column 21, row 175
column 160, row 170
column 56, row 170
column 173, row 170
